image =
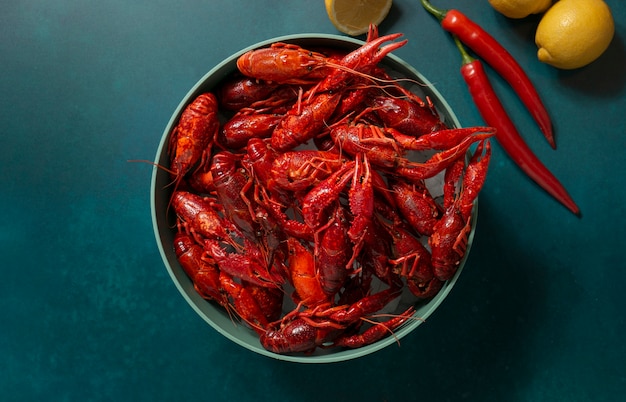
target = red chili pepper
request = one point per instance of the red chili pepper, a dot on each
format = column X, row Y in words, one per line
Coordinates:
column 490, row 50
column 507, row 135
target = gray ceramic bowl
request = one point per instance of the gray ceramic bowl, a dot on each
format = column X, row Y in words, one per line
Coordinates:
column 162, row 222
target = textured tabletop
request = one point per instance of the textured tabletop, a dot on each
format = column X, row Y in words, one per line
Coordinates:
column 89, row 311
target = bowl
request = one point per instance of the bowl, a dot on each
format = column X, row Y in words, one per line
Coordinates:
column 164, row 230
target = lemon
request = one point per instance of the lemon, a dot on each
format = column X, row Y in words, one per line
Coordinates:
column 573, row 33
column 353, row 17
column 520, row 8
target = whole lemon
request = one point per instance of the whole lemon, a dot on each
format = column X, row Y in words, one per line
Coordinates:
column 573, row 33
column 520, row 8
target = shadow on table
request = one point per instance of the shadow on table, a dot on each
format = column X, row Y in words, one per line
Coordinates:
column 473, row 347
column 603, row 77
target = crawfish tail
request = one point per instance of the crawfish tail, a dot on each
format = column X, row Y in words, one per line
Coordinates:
column 197, row 127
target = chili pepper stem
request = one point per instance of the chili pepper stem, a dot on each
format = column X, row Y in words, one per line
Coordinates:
column 438, row 13
column 493, row 53
column 465, row 56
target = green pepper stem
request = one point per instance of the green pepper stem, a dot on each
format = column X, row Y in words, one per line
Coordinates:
column 438, row 13
column 466, row 58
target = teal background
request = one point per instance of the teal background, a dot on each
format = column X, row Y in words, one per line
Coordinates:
column 88, row 311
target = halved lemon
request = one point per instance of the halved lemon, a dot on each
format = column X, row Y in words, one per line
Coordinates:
column 353, row 17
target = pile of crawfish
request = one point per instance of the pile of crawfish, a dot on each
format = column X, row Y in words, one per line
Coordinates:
column 294, row 191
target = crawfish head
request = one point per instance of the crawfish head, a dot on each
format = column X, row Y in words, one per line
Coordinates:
column 298, row 335
column 407, row 116
column 416, row 205
column 282, row 63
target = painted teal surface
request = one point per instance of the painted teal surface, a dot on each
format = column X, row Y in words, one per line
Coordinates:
column 88, row 311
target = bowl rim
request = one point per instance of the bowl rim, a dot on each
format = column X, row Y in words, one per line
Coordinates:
column 337, row 356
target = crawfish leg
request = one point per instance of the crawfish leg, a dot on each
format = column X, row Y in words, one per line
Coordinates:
column 366, row 306
column 375, row 333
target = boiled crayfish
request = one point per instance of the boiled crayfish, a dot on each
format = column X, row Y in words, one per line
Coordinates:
column 307, row 245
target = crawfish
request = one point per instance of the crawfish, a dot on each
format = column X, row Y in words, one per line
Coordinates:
column 416, row 205
column 241, row 92
column 283, row 63
column 407, row 116
column 305, row 120
column 299, row 170
column 317, row 201
column 231, row 181
column 439, row 140
column 200, row 215
column 203, row 274
column 194, row 134
column 448, row 242
column 335, row 327
column 304, row 278
column 386, row 153
column 247, row 265
column 237, row 131
column 412, row 260
column 333, row 254
column 362, row 60
column 361, row 197
column 256, row 305
column 268, row 195
column 259, row 159
column 300, row 335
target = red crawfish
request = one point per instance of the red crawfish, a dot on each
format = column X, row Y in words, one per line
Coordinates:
column 259, row 158
column 300, row 170
column 387, row 154
column 361, row 199
column 407, row 116
column 193, row 135
column 448, row 242
column 237, row 131
column 416, row 205
column 304, row 278
column 241, row 92
column 231, row 181
column 362, row 60
column 249, row 264
column 283, row 63
column 258, row 306
column 316, row 202
column 333, row 254
column 305, row 120
column 301, row 335
column 412, row 261
column 204, row 274
column 268, row 195
column 201, row 217
column 335, row 326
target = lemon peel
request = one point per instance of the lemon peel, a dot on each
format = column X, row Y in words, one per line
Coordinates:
column 353, row 17
column 520, row 8
column 574, row 33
